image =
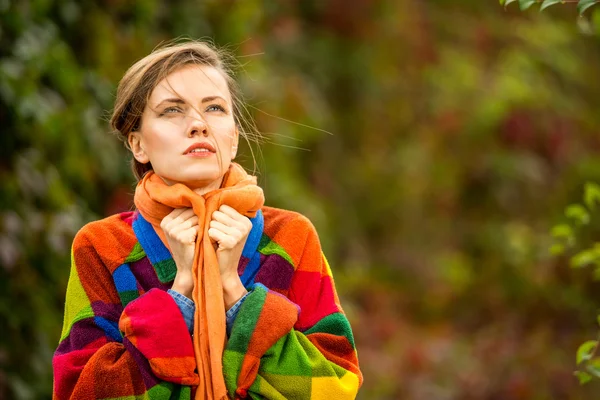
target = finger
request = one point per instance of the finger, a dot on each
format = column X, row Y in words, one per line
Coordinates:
column 177, row 212
column 172, row 215
column 228, row 230
column 186, row 214
column 187, row 224
column 221, row 238
column 187, row 236
column 193, row 221
column 224, row 218
column 232, row 212
column 240, row 221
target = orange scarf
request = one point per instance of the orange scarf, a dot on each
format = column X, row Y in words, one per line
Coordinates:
column 154, row 199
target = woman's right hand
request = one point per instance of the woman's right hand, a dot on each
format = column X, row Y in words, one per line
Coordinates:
column 181, row 230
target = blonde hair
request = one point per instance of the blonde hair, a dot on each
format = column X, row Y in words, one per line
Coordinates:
column 141, row 78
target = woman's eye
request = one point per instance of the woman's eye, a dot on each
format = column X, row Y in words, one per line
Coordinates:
column 215, row 107
column 171, row 110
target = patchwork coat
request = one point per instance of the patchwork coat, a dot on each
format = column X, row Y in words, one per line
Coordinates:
column 124, row 337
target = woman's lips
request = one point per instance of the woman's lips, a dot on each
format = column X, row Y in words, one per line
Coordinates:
column 200, row 150
column 202, row 153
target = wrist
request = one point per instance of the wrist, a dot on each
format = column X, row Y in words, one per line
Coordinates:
column 184, row 284
column 233, row 291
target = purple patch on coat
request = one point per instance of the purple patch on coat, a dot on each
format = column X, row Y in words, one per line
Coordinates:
column 111, row 312
column 146, row 275
column 275, row 272
column 82, row 333
column 242, row 265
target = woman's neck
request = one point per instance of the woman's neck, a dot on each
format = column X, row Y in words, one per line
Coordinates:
column 198, row 187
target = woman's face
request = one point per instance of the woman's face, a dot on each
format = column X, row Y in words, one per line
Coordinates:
column 190, row 108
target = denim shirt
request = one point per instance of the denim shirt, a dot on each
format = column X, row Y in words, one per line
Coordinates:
column 187, row 308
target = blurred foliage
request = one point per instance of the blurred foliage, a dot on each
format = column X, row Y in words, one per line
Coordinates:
column 458, row 133
column 564, row 233
column 582, row 5
column 571, row 236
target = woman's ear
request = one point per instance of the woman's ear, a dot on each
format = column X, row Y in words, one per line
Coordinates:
column 136, row 145
column 234, row 143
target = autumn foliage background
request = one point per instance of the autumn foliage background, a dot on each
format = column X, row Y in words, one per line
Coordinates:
column 433, row 143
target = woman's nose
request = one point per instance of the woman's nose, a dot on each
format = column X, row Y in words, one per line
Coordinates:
column 197, row 125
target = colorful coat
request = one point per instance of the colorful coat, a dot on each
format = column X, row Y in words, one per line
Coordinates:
column 125, row 338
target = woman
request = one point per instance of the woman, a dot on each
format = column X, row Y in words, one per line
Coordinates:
column 201, row 292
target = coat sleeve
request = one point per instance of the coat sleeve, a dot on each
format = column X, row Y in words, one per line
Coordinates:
column 108, row 351
column 295, row 347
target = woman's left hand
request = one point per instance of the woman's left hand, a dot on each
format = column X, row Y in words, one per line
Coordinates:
column 229, row 229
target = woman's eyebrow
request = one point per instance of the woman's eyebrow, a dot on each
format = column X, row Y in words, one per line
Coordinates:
column 175, row 100
column 211, row 98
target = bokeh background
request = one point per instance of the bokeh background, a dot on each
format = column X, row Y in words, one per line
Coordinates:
column 433, row 143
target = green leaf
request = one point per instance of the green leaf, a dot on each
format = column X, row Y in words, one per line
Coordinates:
column 591, row 195
column 584, row 258
column 586, row 350
column 562, row 231
column 525, row 4
column 578, row 213
column 583, row 377
column 507, row 2
column 593, row 367
column 557, row 249
column 584, row 5
column 548, row 3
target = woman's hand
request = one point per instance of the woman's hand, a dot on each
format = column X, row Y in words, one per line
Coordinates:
column 229, row 229
column 181, row 230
